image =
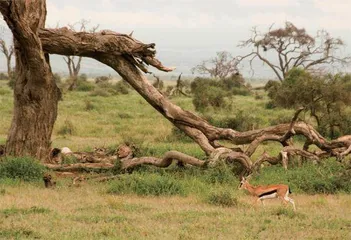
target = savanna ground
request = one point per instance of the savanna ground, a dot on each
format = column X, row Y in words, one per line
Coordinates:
column 162, row 203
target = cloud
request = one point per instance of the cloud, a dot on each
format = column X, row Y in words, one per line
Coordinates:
column 128, row 19
column 334, row 6
column 267, row 3
column 336, row 14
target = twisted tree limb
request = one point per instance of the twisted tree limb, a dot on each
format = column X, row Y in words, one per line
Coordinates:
column 128, row 56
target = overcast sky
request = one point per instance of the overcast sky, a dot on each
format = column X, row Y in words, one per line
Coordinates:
column 189, row 31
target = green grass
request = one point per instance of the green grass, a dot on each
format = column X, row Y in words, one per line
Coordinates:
column 170, row 203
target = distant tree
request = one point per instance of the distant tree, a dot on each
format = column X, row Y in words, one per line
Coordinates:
column 74, row 63
column 8, row 51
column 223, row 65
column 324, row 96
column 293, row 47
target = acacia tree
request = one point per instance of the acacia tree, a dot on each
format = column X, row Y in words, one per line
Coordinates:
column 293, row 48
column 325, row 97
column 7, row 50
column 129, row 58
column 222, row 66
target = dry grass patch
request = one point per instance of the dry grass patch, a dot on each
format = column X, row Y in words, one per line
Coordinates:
column 31, row 211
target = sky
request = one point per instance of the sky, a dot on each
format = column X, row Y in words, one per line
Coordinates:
column 189, row 31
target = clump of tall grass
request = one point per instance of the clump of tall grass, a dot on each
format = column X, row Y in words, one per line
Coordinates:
column 67, row 128
column 328, row 177
column 221, row 198
column 22, row 168
column 147, row 185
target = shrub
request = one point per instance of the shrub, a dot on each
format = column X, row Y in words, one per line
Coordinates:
column 222, row 174
column 210, row 96
column 23, row 168
column 148, row 184
column 83, row 77
column 241, row 121
column 85, row 86
column 221, row 198
column 122, row 87
column 329, row 177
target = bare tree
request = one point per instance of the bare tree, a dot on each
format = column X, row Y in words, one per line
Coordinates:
column 223, row 65
column 72, row 62
column 203, row 133
column 293, row 47
column 7, row 50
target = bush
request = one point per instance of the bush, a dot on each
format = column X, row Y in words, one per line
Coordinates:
column 210, row 96
column 329, row 177
column 23, row 168
column 222, row 198
column 222, row 174
column 83, row 77
column 242, row 121
column 146, row 185
column 85, row 86
column 122, row 87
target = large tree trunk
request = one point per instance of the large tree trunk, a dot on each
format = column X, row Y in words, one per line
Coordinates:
column 35, row 93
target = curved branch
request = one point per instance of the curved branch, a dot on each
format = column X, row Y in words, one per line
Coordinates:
column 167, row 160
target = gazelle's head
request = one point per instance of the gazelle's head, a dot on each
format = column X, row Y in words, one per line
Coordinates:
column 244, row 182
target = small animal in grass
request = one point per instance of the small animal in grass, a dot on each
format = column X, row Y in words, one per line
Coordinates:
column 280, row 191
column 49, row 183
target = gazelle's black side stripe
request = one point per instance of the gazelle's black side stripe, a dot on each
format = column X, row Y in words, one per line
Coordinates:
column 267, row 193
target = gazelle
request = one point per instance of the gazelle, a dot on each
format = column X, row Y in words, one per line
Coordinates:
column 280, row 191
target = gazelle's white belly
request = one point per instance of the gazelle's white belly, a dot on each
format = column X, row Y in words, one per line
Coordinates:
column 269, row 196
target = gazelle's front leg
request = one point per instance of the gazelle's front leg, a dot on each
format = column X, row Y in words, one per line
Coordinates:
column 291, row 201
column 260, row 200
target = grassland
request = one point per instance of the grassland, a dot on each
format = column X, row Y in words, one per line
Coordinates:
column 98, row 211
column 33, row 212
